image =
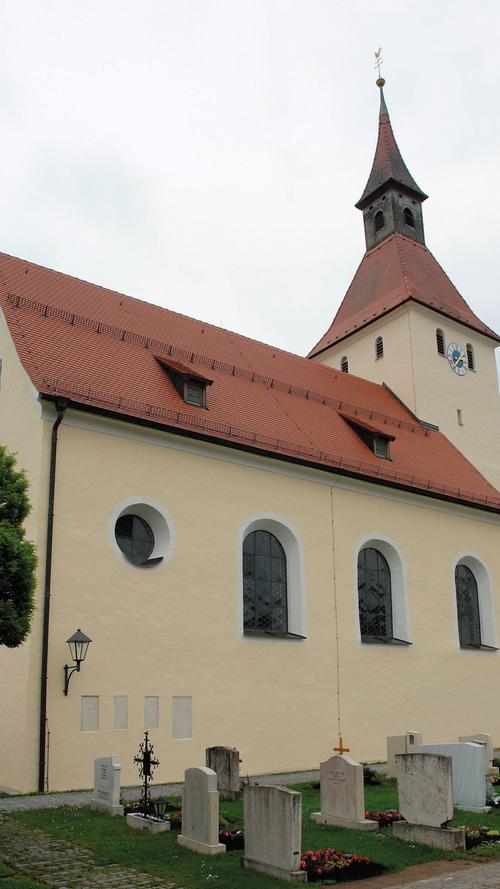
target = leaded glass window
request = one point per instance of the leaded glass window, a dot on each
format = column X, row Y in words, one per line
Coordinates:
column 135, row 538
column 374, row 591
column 469, row 623
column 264, row 583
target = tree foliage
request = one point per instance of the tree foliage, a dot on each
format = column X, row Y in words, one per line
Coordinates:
column 17, row 555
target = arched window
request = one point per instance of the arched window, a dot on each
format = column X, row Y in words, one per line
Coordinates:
column 374, row 595
column 265, row 606
column 469, row 621
column 470, row 357
column 379, row 220
column 379, row 347
column 344, row 365
column 409, row 217
column 440, row 341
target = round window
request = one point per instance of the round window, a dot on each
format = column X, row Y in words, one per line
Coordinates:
column 135, row 538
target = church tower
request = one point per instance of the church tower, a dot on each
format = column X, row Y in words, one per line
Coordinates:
column 403, row 323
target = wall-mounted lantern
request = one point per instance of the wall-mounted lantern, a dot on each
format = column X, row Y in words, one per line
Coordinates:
column 78, row 645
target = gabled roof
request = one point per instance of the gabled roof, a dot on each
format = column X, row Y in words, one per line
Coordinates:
column 388, row 165
column 97, row 348
column 397, row 270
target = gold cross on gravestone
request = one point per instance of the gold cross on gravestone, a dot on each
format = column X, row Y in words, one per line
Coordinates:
column 341, row 749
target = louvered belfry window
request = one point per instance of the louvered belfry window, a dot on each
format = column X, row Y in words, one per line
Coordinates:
column 374, row 591
column 264, row 583
column 440, row 341
column 344, row 365
column 379, row 347
column 469, row 622
column 470, row 356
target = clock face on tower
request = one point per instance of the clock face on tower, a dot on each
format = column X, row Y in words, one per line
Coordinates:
column 457, row 359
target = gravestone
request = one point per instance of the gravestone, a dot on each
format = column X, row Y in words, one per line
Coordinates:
column 487, row 740
column 406, row 743
column 225, row 762
column 106, row 797
column 342, row 795
column 273, row 831
column 426, row 801
column 469, row 773
column 200, row 812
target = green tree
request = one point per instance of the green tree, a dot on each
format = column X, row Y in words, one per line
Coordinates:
column 17, row 555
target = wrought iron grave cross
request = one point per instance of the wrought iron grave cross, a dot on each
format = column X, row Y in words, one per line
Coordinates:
column 146, row 762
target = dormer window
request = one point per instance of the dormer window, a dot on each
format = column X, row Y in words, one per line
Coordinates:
column 379, row 220
column 381, row 447
column 191, row 386
column 194, row 392
column 377, row 440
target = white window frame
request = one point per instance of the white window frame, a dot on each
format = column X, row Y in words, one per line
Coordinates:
column 401, row 628
column 292, row 544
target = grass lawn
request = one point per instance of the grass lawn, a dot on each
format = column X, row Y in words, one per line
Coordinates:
column 113, row 842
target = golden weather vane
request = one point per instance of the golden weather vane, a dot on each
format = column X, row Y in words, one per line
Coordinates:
column 378, row 62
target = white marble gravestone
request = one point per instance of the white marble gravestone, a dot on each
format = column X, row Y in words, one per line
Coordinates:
column 273, row 831
column 225, row 762
column 482, row 738
column 342, row 794
column 469, row 773
column 426, row 801
column 200, row 812
column 406, row 743
column 106, row 797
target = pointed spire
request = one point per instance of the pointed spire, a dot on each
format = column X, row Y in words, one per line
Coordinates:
column 389, row 168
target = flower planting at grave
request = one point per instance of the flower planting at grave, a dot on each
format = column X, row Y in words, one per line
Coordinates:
column 328, row 864
column 384, row 817
column 480, row 835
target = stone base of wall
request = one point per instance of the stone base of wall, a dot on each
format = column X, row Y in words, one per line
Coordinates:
column 98, row 806
column 451, row 839
column 319, row 818
column 291, row 876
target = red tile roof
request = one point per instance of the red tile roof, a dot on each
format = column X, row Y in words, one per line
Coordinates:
column 388, row 164
column 97, row 348
column 389, row 275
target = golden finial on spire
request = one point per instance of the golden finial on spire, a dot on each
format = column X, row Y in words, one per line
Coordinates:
column 378, row 63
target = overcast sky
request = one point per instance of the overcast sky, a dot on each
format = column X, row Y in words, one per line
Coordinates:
column 205, row 155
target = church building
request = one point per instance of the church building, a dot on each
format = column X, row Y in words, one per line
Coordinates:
column 248, row 547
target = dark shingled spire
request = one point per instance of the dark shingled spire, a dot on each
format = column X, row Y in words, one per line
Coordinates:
column 388, row 167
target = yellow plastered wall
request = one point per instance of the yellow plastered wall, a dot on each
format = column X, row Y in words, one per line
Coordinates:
column 23, row 433
column 174, row 630
column 425, row 382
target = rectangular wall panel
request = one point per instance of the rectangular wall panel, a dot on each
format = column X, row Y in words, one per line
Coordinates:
column 182, row 718
column 121, row 711
column 89, row 713
column 151, row 712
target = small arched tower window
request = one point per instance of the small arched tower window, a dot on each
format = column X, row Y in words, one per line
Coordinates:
column 440, row 341
column 470, row 357
column 409, row 217
column 344, row 365
column 379, row 347
column 379, row 220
